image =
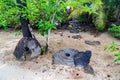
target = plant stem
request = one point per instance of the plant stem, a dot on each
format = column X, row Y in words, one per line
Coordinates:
column 52, row 21
column 47, row 37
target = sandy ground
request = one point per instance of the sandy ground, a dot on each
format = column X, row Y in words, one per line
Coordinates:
column 42, row 68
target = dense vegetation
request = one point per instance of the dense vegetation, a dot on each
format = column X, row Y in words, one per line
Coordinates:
column 115, row 30
column 114, row 47
column 44, row 13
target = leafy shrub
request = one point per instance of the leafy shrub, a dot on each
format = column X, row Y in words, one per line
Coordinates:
column 92, row 7
column 84, row 6
column 117, row 55
column 8, row 13
column 51, row 11
column 102, row 11
column 100, row 20
column 39, row 12
column 54, row 10
column 114, row 30
column 44, row 30
column 112, row 8
column 114, row 48
column 43, row 14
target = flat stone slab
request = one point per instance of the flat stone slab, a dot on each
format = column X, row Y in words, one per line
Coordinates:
column 76, row 36
column 72, row 57
column 92, row 42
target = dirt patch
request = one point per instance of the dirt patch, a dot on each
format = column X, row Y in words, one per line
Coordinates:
column 42, row 68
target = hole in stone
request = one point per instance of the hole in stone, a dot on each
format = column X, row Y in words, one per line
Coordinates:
column 26, row 48
column 67, row 54
column 77, row 74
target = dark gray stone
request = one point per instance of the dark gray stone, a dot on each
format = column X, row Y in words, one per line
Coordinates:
column 92, row 42
column 72, row 57
column 83, row 58
column 74, row 31
column 88, row 69
column 81, row 28
column 76, row 36
column 27, row 46
column 65, row 57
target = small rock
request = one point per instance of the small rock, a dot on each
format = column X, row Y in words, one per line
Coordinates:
column 35, row 73
column 81, row 28
column 77, row 27
column 61, row 69
column 55, row 33
column 108, row 65
column 61, row 34
column 68, row 78
column 76, row 36
column 92, row 42
column 74, row 31
column 44, row 70
column 36, row 62
column 68, row 36
column 70, row 26
column 88, row 69
column 58, row 42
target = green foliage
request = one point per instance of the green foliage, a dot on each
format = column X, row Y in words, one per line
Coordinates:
column 114, row 48
column 83, row 6
column 8, row 13
column 117, row 55
column 102, row 10
column 112, row 8
column 92, row 7
column 32, row 11
column 44, row 26
column 114, row 30
column 44, row 49
column 43, row 14
column 100, row 20
column 50, row 11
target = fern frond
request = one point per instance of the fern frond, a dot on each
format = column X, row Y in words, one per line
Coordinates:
column 100, row 20
column 75, row 14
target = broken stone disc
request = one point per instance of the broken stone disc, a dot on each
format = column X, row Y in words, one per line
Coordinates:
column 65, row 57
column 83, row 58
column 27, row 46
column 72, row 57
